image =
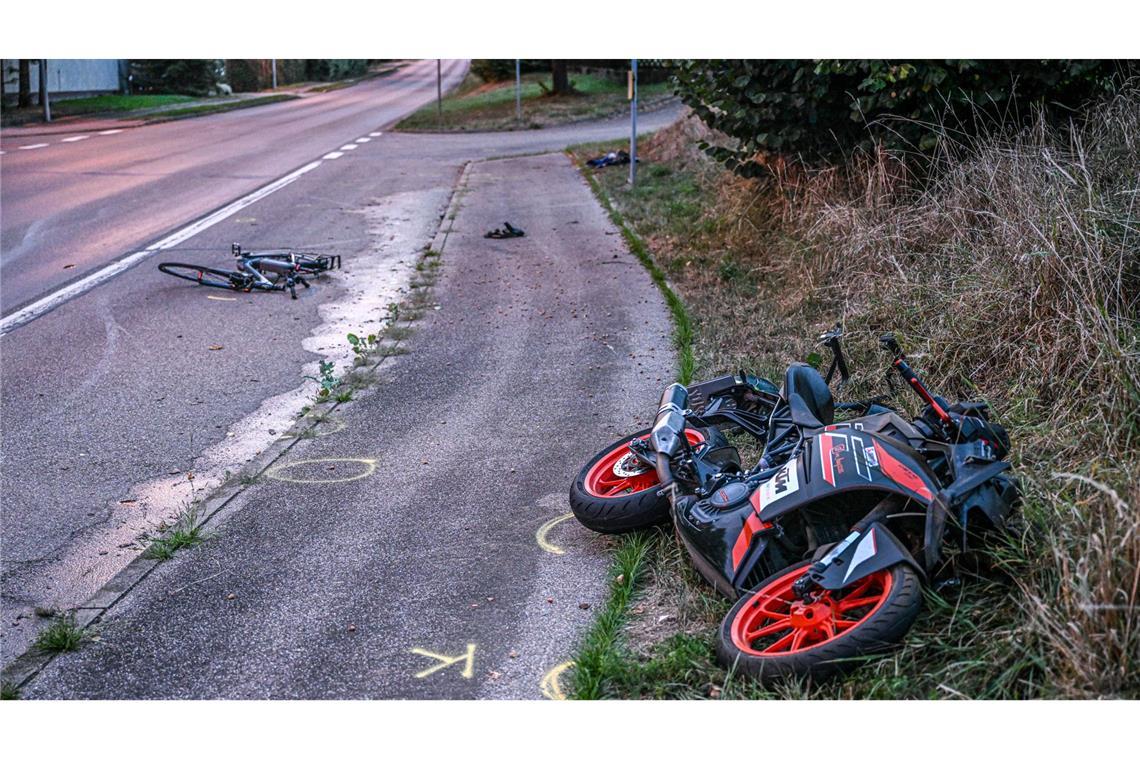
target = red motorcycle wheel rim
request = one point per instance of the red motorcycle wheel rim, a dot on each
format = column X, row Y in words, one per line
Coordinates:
column 602, row 482
column 776, row 623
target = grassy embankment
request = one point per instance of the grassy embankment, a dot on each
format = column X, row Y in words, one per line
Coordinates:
column 1011, row 274
column 490, row 106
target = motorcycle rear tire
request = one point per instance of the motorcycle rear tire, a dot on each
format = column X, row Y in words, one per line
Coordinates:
column 897, row 594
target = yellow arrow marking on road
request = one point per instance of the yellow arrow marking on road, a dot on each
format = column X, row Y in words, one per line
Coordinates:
column 446, row 661
column 551, row 683
column 540, row 534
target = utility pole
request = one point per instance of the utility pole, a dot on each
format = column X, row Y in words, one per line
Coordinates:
column 45, row 102
column 439, row 90
column 518, row 89
column 273, row 63
column 633, row 122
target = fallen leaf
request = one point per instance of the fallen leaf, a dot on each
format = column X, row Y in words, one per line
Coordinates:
column 216, row 348
column 351, row 628
column 69, row 266
column 127, row 501
column 583, row 605
column 231, row 597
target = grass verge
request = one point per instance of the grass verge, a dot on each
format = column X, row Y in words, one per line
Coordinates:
column 599, row 652
column 1009, row 270
column 477, row 105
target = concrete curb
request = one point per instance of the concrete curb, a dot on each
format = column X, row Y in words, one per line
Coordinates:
column 31, row 662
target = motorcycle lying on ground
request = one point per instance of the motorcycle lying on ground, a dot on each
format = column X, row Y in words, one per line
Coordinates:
column 827, row 541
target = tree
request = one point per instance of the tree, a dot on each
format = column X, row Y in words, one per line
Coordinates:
column 25, row 96
column 560, row 78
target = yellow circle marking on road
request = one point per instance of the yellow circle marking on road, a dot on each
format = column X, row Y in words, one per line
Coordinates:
column 551, row 683
column 220, row 298
column 279, row 472
column 540, row 534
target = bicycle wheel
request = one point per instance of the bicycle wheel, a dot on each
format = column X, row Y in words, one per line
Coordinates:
column 214, row 278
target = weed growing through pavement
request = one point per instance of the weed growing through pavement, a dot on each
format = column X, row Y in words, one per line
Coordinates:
column 187, row 531
column 9, row 691
column 63, row 635
column 328, row 381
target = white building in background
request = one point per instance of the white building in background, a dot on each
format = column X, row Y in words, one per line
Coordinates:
column 69, row 77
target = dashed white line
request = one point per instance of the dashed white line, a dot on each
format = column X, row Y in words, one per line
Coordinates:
column 363, row 139
column 331, row 156
column 110, row 131
column 350, row 146
column 33, row 147
column 46, row 304
column 77, row 138
column 375, row 134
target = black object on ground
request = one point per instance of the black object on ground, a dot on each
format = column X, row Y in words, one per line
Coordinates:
column 508, row 231
column 613, row 158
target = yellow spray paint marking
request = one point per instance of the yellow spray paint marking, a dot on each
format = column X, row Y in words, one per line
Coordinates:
column 280, row 471
column 551, row 683
column 220, row 298
column 540, row 535
column 446, row 661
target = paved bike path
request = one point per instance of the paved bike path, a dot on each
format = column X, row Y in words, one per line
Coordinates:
column 418, row 573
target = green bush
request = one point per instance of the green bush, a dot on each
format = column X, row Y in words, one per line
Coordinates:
column 502, row 69
column 177, row 76
column 823, row 109
column 332, row 69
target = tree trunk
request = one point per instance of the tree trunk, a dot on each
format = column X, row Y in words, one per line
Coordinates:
column 25, row 96
column 560, row 78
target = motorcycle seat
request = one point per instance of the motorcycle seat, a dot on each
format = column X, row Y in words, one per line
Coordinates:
column 808, row 397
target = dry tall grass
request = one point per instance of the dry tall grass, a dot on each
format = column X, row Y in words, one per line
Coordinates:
column 1012, row 273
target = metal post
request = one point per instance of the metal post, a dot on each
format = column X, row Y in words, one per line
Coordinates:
column 439, row 89
column 633, row 124
column 273, row 63
column 518, row 89
column 45, row 101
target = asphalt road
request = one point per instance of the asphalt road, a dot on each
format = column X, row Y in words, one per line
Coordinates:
column 111, row 399
column 71, row 207
column 421, row 576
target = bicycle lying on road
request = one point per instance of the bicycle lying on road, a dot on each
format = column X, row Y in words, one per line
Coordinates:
column 257, row 270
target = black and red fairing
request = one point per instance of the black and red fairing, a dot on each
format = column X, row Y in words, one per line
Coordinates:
column 728, row 533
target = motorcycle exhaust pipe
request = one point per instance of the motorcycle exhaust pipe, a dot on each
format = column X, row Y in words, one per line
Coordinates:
column 668, row 428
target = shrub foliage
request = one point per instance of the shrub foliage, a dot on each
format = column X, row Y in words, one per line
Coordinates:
column 823, row 109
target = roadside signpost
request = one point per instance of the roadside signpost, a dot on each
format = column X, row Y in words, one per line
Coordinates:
column 439, row 90
column 45, row 101
column 633, row 122
column 273, row 64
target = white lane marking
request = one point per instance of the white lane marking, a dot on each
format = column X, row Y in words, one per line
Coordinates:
column 350, row 146
column 110, row 131
column 375, row 134
column 42, row 306
column 363, row 139
column 33, row 147
column 331, row 156
column 77, row 138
